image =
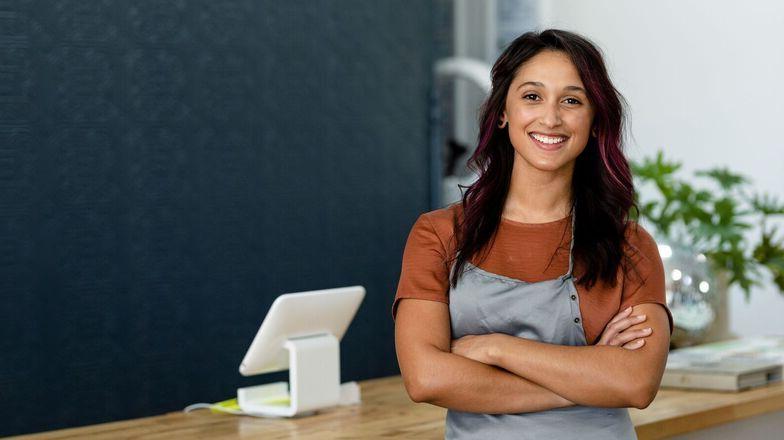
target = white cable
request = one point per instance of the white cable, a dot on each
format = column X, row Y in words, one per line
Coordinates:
column 211, row 406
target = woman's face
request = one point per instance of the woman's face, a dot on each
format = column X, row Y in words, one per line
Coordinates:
column 547, row 100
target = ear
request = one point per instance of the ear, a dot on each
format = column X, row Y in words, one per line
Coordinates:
column 502, row 120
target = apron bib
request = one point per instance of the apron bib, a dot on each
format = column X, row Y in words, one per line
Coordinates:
column 549, row 311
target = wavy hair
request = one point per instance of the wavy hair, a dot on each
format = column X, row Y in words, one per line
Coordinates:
column 602, row 186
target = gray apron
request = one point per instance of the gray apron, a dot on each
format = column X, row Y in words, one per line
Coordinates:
column 548, row 311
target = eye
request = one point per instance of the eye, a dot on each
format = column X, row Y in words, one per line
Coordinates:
column 575, row 101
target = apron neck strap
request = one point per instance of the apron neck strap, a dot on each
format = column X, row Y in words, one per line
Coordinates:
column 571, row 243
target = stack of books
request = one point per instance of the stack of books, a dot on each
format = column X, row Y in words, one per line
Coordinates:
column 732, row 365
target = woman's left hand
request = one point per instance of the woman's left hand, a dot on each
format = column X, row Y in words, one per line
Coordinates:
column 476, row 347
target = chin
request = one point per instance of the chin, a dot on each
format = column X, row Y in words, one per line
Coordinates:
column 549, row 166
column 553, row 164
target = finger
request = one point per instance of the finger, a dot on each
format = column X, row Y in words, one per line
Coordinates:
column 635, row 344
column 625, row 323
column 638, row 342
column 631, row 335
column 621, row 315
column 618, row 325
column 607, row 336
column 610, row 329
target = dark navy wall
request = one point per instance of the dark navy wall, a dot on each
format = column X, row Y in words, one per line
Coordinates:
column 167, row 168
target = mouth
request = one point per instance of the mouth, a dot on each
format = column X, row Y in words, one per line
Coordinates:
column 548, row 143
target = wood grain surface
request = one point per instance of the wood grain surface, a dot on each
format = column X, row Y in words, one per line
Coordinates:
column 387, row 412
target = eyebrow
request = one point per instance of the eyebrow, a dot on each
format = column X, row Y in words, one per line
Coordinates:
column 538, row 84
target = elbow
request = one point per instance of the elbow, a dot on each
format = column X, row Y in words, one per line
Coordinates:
column 642, row 402
column 418, row 396
column 417, row 388
column 642, row 396
column 422, row 378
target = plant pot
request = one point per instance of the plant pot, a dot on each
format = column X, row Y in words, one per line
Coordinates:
column 720, row 329
column 694, row 295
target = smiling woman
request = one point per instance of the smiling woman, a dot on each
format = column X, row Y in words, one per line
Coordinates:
column 535, row 308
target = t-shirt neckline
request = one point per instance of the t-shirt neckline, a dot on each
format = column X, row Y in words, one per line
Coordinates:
column 535, row 225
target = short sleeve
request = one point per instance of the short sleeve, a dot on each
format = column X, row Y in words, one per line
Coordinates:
column 645, row 282
column 424, row 273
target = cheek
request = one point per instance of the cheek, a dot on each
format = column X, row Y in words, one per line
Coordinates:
column 525, row 116
column 582, row 122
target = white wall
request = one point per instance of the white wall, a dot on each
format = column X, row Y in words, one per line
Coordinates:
column 705, row 83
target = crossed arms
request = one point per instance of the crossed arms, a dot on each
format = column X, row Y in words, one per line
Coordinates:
column 498, row 374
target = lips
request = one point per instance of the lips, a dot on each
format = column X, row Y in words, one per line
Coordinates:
column 548, row 147
column 552, row 135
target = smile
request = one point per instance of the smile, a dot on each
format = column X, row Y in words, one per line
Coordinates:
column 548, row 143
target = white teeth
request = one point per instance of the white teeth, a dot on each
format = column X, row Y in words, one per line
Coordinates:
column 547, row 139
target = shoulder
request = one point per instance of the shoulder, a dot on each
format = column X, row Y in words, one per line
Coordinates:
column 640, row 244
column 642, row 254
column 443, row 220
column 434, row 230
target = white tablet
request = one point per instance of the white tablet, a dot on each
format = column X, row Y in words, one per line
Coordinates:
column 295, row 315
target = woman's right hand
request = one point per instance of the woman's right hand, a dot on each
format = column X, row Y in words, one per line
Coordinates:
column 616, row 332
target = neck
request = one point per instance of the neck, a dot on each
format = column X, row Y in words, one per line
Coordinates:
column 538, row 196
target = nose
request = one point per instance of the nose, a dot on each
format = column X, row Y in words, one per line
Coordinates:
column 552, row 115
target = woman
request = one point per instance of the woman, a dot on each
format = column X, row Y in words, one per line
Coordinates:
column 538, row 274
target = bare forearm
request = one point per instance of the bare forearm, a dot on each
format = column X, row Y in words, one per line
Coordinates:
column 594, row 375
column 467, row 385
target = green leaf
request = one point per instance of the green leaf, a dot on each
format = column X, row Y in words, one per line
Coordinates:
column 767, row 204
column 725, row 178
column 716, row 224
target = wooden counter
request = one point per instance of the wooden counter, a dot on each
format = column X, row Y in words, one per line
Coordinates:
column 387, row 412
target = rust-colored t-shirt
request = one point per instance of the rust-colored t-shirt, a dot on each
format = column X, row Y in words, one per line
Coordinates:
column 524, row 251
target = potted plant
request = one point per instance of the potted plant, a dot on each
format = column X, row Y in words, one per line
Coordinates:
column 713, row 223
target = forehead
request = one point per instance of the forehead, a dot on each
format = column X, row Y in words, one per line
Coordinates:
column 552, row 68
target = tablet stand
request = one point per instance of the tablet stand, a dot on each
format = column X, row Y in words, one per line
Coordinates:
column 314, row 380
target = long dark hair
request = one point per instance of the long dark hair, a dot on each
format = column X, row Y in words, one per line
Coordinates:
column 602, row 185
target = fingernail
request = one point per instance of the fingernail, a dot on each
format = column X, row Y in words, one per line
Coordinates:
column 647, row 329
column 641, row 317
column 627, row 309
